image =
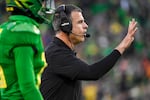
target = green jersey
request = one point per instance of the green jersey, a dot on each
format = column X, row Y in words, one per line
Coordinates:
column 21, row 59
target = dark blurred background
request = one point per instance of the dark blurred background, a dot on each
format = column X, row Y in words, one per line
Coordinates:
column 108, row 23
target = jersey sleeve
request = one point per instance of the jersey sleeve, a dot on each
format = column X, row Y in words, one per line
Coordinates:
column 25, row 72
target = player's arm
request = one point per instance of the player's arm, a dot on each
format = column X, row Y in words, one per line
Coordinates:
column 25, row 72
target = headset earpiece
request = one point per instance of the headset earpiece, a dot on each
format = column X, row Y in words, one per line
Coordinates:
column 65, row 22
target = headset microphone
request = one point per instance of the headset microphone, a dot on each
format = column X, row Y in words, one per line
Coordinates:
column 87, row 35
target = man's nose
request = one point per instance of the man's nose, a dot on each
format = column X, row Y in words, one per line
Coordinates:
column 85, row 25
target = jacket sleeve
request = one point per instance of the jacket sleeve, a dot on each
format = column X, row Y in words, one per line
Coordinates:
column 67, row 65
column 25, row 72
column 100, row 68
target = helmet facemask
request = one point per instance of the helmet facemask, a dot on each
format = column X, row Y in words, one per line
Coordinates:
column 37, row 9
column 47, row 10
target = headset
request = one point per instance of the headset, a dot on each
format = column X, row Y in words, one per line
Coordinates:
column 65, row 22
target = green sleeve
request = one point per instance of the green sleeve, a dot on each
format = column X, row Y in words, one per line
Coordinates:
column 25, row 73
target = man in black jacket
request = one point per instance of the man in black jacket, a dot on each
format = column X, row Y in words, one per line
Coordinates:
column 61, row 79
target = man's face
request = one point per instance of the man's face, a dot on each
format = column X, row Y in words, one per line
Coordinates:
column 79, row 27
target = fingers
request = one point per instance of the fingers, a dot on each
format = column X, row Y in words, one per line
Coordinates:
column 132, row 27
column 133, row 22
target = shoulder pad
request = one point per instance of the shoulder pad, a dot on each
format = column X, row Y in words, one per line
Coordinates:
column 24, row 27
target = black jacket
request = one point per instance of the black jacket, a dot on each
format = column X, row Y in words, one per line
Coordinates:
column 61, row 78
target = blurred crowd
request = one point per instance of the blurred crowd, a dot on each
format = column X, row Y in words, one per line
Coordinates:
column 108, row 22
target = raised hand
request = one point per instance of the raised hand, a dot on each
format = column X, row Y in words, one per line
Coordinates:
column 126, row 42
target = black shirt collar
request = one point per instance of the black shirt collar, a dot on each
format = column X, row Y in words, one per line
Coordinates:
column 60, row 43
